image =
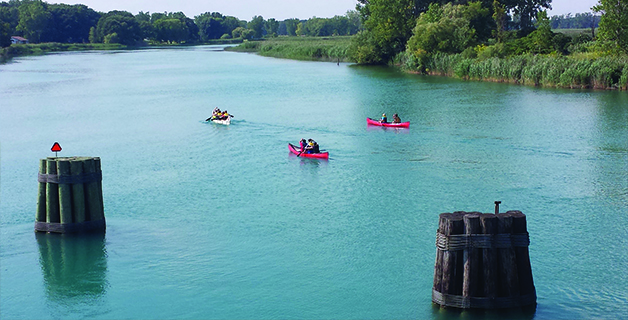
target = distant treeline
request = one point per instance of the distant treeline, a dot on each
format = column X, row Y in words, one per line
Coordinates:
column 39, row 22
column 585, row 20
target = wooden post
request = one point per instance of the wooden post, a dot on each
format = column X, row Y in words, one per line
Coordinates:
column 92, row 198
column 70, row 195
column 452, row 275
column 65, row 191
column 509, row 281
column 519, row 229
column 438, row 265
column 98, row 171
column 52, row 194
column 41, row 194
column 489, row 257
column 471, row 257
column 78, row 192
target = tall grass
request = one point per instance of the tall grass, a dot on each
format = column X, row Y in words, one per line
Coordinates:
column 602, row 72
column 300, row 48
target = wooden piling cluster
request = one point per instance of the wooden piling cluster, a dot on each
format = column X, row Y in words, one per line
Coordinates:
column 70, row 195
column 482, row 261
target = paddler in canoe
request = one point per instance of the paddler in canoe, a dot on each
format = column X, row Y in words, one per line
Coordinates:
column 219, row 115
column 396, row 118
column 215, row 114
column 311, row 147
column 383, row 119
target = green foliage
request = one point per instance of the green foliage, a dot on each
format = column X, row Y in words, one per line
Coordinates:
column 445, row 29
column 584, row 20
column 499, row 16
column 291, row 26
column 5, row 35
column 272, row 26
column 214, row 25
column 301, row 48
column 257, row 26
column 126, row 28
column 69, row 23
column 34, row 19
column 388, row 26
column 540, row 70
column 112, row 38
column 525, row 11
column 541, row 38
column 170, row 30
column 613, row 24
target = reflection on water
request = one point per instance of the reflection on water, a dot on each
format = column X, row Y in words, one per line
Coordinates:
column 522, row 313
column 73, row 266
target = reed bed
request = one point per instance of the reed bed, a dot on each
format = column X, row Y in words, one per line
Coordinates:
column 605, row 72
column 300, row 48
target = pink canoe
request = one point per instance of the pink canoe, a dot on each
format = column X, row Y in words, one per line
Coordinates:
column 294, row 149
column 372, row 122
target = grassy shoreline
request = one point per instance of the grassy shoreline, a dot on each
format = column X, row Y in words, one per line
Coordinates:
column 580, row 71
column 300, row 48
column 20, row 50
column 554, row 71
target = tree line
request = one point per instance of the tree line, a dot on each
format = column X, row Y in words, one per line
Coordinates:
column 585, row 20
column 411, row 32
column 39, row 21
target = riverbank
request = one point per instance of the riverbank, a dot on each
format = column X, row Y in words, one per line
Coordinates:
column 580, row 71
column 18, row 50
column 300, row 48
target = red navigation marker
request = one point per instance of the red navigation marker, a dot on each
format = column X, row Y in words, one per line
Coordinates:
column 56, row 147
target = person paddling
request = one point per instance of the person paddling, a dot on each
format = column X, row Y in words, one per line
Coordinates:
column 302, row 144
column 215, row 114
column 383, row 119
column 312, row 147
column 396, row 118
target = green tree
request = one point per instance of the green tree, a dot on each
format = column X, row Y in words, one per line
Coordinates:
column 5, row 34
column 499, row 16
column 388, row 26
column 613, row 29
column 170, row 30
column 443, row 29
column 146, row 26
column 123, row 24
column 354, row 22
column 237, row 32
column 229, row 23
column 34, row 19
column 9, row 13
column 257, row 25
column 541, row 38
column 300, row 31
column 526, row 11
column 69, row 23
column 210, row 25
column 272, row 26
column 291, row 26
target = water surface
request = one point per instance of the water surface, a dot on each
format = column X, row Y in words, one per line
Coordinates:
column 209, row 221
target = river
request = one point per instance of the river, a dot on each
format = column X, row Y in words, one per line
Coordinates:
column 220, row 222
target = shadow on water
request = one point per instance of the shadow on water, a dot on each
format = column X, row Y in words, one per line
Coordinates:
column 74, row 266
column 523, row 313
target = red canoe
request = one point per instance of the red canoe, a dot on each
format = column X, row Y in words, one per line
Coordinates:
column 387, row 124
column 294, row 149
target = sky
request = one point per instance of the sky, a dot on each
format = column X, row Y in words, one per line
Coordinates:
column 278, row 9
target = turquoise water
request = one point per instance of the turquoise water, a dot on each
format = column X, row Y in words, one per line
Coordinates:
column 215, row 222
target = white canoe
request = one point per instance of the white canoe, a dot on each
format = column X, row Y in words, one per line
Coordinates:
column 225, row 122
